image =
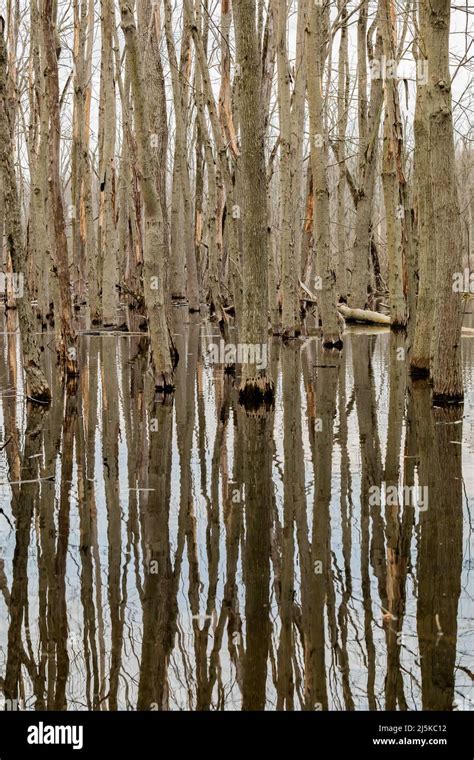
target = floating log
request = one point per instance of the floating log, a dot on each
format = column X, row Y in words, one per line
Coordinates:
column 363, row 315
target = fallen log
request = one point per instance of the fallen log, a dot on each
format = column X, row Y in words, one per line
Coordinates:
column 363, row 315
column 374, row 318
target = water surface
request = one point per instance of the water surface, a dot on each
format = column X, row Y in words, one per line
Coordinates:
column 189, row 556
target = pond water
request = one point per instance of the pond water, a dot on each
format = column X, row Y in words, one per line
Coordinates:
column 189, row 556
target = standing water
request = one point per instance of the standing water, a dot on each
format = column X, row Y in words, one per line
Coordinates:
column 182, row 554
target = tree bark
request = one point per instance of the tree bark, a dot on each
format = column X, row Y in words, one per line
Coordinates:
column 393, row 178
column 36, row 384
column 67, row 352
column 316, row 46
column 289, row 270
column 446, row 369
column 421, row 350
column 107, row 229
column 343, row 94
column 368, row 157
column 154, row 246
column 256, row 384
column 182, row 202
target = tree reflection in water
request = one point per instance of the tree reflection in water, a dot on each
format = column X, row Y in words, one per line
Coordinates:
column 186, row 554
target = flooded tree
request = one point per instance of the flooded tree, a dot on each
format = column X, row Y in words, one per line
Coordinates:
column 154, row 254
column 66, row 347
column 448, row 242
column 104, row 233
column 37, row 386
column 255, row 382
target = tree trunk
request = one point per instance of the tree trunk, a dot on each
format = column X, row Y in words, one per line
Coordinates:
column 421, row 350
column 289, row 271
column 67, row 344
column 181, row 207
column 392, row 175
column 316, row 45
column 107, row 230
column 368, row 157
column 446, row 366
column 77, row 147
column 256, row 384
column 149, row 25
column 343, row 94
column 221, row 149
column 154, row 252
column 40, row 243
column 36, row 384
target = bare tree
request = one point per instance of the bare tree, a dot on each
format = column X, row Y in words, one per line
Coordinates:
column 256, row 383
column 67, row 352
column 317, row 31
column 36, row 383
column 446, row 368
column 154, row 276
